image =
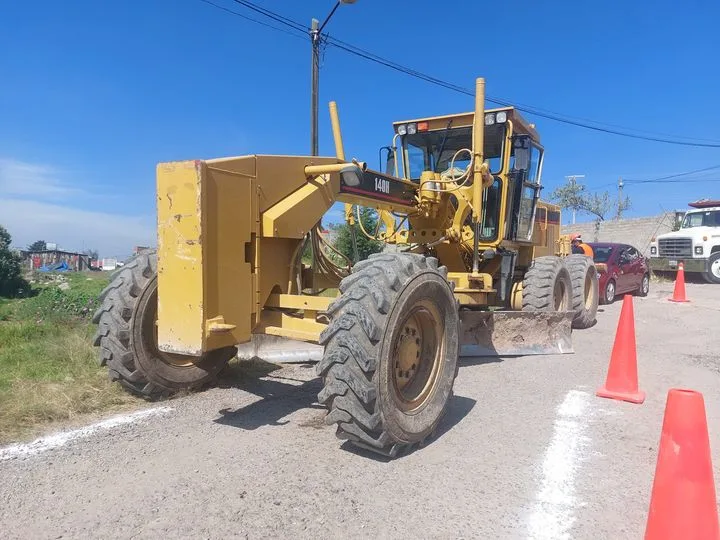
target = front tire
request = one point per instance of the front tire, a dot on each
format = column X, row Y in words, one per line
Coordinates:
column 713, row 273
column 585, row 290
column 391, row 352
column 127, row 337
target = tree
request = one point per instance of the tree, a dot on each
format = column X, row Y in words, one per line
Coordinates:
column 11, row 281
column 570, row 196
column 576, row 197
column 365, row 246
column 91, row 253
column 38, row 245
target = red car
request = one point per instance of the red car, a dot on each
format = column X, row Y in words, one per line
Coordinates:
column 621, row 270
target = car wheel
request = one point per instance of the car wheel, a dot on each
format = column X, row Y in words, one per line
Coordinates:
column 609, row 293
column 644, row 288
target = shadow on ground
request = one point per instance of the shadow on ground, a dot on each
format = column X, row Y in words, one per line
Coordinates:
column 458, row 408
column 280, row 396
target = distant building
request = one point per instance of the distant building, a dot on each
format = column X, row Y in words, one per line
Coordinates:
column 140, row 249
column 49, row 260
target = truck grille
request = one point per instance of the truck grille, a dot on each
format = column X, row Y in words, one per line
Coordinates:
column 675, row 247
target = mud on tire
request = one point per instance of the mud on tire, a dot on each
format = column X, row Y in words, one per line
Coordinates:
column 585, row 290
column 127, row 339
column 393, row 309
column 547, row 286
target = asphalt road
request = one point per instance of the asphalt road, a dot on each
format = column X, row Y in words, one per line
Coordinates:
column 526, row 451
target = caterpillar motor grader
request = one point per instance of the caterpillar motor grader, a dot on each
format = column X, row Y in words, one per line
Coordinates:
column 476, row 266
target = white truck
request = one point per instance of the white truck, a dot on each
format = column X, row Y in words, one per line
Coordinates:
column 696, row 244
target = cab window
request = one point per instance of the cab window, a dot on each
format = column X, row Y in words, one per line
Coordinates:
column 525, row 164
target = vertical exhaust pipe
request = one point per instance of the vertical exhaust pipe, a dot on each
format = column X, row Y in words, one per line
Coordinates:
column 478, row 149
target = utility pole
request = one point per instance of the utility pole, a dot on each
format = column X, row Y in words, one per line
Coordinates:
column 315, row 81
column 620, row 201
column 315, row 40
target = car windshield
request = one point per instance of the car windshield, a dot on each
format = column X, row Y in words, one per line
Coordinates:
column 433, row 150
column 601, row 254
column 701, row 219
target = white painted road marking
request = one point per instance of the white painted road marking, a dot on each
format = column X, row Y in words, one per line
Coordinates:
column 554, row 511
column 62, row 438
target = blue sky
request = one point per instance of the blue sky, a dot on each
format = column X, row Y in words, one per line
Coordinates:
column 95, row 93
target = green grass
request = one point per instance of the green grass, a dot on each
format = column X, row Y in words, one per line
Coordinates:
column 48, row 366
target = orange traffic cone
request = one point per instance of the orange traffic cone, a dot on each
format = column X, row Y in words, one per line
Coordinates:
column 683, row 504
column 622, row 377
column 679, row 291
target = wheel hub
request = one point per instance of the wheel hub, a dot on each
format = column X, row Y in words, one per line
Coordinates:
column 417, row 352
column 715, row 268
column 407, row 359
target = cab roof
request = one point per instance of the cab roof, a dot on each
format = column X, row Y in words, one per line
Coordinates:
column 520, row 125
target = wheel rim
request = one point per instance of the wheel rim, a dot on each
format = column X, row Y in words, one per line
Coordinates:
column 560, row 296
column 150, row 335
column 417, row 351
column 646, row 284
column 610, row 292
column 589, row 291
column 715, row 268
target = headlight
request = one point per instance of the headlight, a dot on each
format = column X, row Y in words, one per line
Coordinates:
column 412, row 129
column 653, row 250
column 489, row 119
column 698, row 250
column 501, row 117
column 402, row 129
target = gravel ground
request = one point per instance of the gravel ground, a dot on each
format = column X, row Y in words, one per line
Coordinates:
column 526, row 451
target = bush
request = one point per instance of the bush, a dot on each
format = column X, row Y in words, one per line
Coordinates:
column 68, row 296
column 12, row 283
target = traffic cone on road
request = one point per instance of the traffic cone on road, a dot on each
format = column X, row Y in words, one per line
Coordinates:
column 679, row 291
column 682, row 504
column 622, row 377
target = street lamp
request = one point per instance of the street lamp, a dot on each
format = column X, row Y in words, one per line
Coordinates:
column 315, row 37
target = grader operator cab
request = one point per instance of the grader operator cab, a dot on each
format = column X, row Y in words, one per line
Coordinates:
column 476, row 266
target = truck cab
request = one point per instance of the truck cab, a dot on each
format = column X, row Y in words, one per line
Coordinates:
column 696, row 244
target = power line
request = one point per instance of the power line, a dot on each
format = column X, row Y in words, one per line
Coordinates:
column 223, row 8
column 663, row 178
column 557, row 117
column 274, row 16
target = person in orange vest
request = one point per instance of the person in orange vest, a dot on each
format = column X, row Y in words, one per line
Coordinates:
column 578, row 246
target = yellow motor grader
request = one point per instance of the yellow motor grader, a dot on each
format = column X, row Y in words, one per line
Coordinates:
column 475, row 265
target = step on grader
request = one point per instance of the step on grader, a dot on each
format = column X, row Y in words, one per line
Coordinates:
column 475, row 266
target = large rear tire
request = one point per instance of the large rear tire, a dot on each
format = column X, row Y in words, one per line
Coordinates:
column 585, row 290
column 547, row 286
column 127, row 337
column 391, row 352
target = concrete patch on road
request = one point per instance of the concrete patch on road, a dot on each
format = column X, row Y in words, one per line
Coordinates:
column 553, row 513
column 57, row 440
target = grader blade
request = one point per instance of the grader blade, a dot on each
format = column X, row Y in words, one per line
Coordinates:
column 515, row 333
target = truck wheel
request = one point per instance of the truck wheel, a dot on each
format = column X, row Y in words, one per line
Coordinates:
column 713, row 273
column 585, row 293
column 547, row 286
column 127, row 337
column 391, row 352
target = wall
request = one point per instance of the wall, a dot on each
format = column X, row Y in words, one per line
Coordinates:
column 637, row 232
